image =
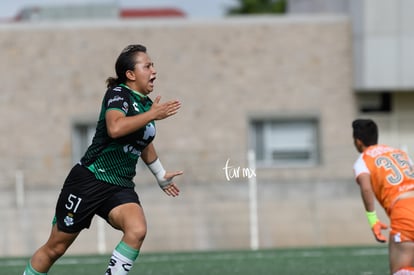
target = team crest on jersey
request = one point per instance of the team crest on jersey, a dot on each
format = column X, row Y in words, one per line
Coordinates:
column 125, row 107
column 69, row 220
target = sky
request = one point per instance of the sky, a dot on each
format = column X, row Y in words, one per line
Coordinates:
column 193, row 8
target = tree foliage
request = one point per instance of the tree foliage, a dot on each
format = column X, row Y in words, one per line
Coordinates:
column 258, row 7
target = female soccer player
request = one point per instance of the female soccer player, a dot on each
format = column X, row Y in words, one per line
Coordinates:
column 102, row 182
column 387, row 173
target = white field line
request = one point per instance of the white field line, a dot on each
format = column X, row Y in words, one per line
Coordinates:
column 219, row 256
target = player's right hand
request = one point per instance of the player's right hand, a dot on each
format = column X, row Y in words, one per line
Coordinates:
column 166, row 109
column 376, row 229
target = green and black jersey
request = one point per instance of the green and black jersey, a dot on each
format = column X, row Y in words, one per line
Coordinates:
column 114, row 160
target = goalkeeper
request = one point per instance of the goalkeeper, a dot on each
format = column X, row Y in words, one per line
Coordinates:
column 387, row 174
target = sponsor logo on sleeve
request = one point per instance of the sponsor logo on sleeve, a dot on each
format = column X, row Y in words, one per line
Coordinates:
column 115, row 99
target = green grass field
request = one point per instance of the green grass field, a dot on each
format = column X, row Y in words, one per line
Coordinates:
column 372, row 260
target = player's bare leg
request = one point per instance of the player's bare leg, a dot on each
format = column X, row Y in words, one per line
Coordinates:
column 53, row 249
column 130, row 219
column 401, row 255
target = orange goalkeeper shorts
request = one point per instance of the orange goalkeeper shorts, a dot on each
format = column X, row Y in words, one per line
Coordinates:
column 402, row 220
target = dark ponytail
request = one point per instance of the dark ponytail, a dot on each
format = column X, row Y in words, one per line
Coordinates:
column 124, row 63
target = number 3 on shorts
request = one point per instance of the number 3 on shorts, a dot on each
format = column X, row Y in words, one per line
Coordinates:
column 73, row 203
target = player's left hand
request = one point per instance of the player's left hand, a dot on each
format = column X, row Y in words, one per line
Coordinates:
column 376, row 229
column 171, row 189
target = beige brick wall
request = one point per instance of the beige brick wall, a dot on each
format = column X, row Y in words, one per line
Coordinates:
column 224, row 72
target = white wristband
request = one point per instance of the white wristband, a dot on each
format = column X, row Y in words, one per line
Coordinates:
column 159, row 172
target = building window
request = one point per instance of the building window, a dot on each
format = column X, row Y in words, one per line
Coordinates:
column 82, row 135
column 374, row 102
column 285, row 142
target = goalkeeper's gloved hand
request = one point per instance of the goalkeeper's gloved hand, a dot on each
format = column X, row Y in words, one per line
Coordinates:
column 376, row 229
column 376, row 226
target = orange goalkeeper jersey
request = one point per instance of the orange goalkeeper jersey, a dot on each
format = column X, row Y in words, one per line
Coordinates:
column 391, row 172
